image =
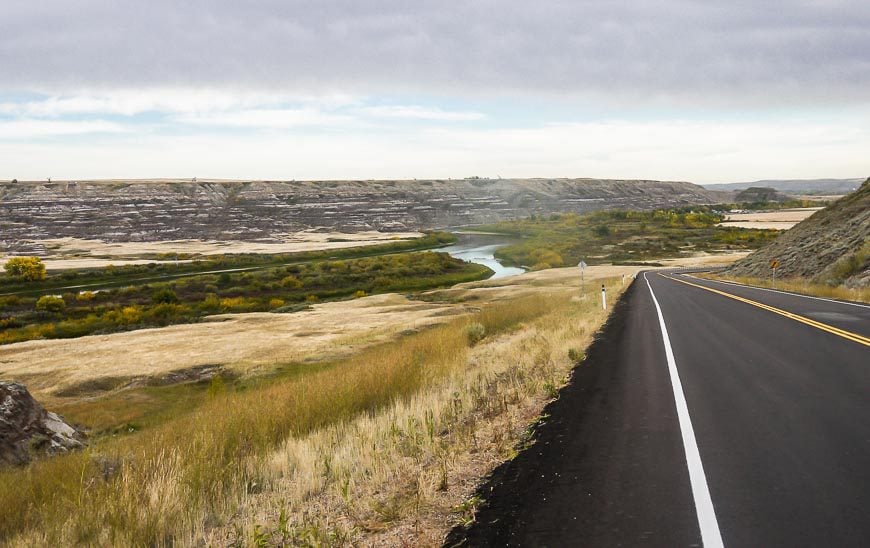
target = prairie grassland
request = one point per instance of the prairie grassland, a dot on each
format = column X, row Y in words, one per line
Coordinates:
column 204, row 475
column 801, row 286
column 252, row 343
column 404, row 475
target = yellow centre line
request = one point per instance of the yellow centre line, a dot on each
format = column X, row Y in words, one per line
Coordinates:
column 860, row 339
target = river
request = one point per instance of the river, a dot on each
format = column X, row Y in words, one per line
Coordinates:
column 480, row 249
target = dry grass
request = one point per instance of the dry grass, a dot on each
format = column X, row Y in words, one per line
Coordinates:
column 801, row 286
column 404, row 475
column 244, row 343
column 178, row 482
column 252, row 343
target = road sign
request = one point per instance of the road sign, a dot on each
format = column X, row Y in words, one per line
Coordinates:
column 582, row 265
column 774, row 264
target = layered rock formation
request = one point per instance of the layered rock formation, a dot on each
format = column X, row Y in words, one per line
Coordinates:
column 261, row 210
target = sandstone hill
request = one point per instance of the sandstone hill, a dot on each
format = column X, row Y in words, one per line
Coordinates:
column 259, row 210
column 832, row 246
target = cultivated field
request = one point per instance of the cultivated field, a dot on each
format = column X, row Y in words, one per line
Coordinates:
column 782, row 219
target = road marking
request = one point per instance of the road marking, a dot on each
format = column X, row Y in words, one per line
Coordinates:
column 710, row 535
column 780, row 291
column 854, row 337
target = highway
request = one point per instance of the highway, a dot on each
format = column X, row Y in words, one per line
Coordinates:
column 705, row 414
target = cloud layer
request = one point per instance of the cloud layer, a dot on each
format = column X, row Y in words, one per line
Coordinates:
column 701, row 52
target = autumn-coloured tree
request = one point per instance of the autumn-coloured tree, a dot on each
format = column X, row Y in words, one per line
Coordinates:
column 27, row 268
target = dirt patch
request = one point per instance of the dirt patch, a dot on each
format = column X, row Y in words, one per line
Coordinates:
column 79, row 253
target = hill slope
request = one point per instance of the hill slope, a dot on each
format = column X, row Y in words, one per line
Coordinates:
column 832, row 246
column 155, row 210
column 795, row 186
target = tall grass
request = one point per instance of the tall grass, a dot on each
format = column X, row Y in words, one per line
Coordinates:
column 167, row 484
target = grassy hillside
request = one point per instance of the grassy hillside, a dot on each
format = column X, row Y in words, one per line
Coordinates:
column 830, row 247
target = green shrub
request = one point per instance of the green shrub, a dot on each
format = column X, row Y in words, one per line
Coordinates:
column 51, row 303
column 292, row 282
column 474, row 333
column 164, row 296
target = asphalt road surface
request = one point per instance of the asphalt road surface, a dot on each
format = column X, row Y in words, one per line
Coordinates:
column 747, row 424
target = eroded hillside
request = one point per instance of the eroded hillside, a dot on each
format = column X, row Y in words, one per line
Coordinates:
column 832, row 246
column 169, row 210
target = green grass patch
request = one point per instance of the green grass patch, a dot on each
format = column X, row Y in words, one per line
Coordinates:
column 622, row 237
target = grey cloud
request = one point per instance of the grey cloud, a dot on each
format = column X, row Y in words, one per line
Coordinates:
column 733, row 52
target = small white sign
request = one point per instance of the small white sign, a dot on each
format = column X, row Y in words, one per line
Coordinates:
column 582, row 265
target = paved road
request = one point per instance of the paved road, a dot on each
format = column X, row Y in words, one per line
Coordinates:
column 751, row 428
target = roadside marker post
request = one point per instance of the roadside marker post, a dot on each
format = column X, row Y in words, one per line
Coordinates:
column 773, row 266
column 582, row 265
column 603, row 297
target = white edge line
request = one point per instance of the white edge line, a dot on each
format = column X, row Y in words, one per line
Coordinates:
column 777, row 291
column 710, row 535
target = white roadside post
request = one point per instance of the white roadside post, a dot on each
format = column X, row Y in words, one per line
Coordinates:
column 582, row 265
column 603, row 297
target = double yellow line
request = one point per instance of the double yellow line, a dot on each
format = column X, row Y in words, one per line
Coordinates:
column 860, row 339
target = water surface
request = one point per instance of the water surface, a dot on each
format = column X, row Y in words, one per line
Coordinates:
column 480, row 249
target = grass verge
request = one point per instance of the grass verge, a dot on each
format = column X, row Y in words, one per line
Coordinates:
column 183, row 481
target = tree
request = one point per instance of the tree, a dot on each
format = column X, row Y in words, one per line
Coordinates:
column 26, row 268
column 50, row 303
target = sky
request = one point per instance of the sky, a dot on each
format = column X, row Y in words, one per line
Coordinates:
column 703, row 91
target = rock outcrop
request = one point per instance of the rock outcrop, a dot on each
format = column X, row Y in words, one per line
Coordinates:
column 27, row 429
column 832, row 246
column 119, row 211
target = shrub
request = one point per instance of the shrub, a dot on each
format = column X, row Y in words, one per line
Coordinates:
column 292, row 282
column 164, row 296
column 276, row 303
column 474, row 333
column 84, row 296
column 211, row 303
column 30, row 269
column 359, row 294
column 311, row 299
column 51, row 303
column 601, row 231
column 165, row 313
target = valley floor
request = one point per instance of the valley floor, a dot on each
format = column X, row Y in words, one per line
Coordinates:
column 347, row 450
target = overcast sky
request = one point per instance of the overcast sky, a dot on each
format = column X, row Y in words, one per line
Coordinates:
column 687, row 90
